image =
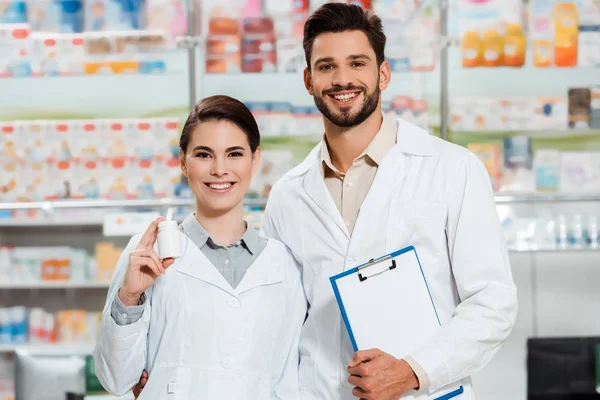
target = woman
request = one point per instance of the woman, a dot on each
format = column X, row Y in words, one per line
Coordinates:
column 223, row 320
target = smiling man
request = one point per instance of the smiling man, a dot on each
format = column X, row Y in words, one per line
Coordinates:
column 375, row 185
column 372, row 186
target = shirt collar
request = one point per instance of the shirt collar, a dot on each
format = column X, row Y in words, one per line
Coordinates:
column 196, row 232
column 383, row 141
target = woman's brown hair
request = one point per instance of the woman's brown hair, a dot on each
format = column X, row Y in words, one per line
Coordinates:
column 221, row 108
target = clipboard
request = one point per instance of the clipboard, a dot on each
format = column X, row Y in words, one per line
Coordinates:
column 370, row 295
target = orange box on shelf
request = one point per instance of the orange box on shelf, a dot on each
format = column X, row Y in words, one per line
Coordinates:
column 113, row 67
column 566, row 34
column 107, row 256
column 489, row 154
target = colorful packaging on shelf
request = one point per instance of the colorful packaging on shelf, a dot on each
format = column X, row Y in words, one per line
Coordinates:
column 114, row 15
column 14, row 51
column 576, row 172
column 541, row 30
column 551, row 113
column 566, row 32
column 580, row 100
column 290, row 56
column 72, row 326
column 595, row 108
column 518, row 174
column 18, row 329
column 489, row 154
column 5, row 326
column 547, row 170
column 64, row 16
column 56, row 54
column 13, row 12
column 589, row 34
column 168, row 16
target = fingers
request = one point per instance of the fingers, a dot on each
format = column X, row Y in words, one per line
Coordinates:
column 364, row 355
column 149, row 237
column 137, row 389
column 144, row 258
column 361, row 370
column 367, row 385
column 167, row 262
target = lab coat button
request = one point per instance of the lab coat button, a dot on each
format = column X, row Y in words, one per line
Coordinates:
column 234, row 303
column 227, row 363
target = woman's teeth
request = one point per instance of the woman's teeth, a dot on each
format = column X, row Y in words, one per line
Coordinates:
column 220, row 186
column 345, row 97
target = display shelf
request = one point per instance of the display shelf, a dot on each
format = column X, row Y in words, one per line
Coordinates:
column 515, row 198
column 54, row 285
column 55, row 348
column 49, row 206
column 557, row 250
column 491, row 133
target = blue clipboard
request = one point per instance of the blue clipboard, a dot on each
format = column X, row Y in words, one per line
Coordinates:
column 364, row 291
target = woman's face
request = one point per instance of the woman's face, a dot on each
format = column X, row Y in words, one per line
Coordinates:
column 219, row 166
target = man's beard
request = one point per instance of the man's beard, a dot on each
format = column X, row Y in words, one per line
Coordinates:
column 345, row 118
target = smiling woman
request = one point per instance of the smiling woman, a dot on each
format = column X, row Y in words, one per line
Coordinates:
column 219, row 153
column 230, row 309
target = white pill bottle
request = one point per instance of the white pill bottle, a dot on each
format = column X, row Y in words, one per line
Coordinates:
column 169, row 240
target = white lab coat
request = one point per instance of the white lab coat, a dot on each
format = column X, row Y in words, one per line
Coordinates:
column 428, row 193
column 200, row 339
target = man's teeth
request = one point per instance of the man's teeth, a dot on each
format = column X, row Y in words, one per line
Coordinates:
column 345, row 97
column 221, row 186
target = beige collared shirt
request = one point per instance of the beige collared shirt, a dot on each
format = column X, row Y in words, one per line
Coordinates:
column 349, row 190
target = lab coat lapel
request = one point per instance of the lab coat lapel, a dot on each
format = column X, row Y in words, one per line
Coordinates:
column 390, row 174
column 314, row 186
column 263, row 271
column 195, row 264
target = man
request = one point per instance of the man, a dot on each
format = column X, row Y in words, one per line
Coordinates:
column 375, row 185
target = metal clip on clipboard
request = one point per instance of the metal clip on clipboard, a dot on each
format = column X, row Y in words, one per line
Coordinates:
column 371, row 263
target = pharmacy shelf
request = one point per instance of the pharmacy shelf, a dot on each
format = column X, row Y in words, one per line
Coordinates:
column 516, row 198
column 535, row 133
column 49, row 206
column 53, row 285
column 557, row 250
column 55, row 348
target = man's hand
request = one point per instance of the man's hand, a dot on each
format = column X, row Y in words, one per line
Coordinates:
column 137, row 390
column 379, row 376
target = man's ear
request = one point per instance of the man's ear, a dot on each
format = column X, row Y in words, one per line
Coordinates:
column 385, row 75
column 308, row 82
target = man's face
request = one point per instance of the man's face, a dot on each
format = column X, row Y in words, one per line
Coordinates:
column 344, row 79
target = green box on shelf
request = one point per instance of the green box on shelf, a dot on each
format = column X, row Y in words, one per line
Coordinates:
column 92, row 384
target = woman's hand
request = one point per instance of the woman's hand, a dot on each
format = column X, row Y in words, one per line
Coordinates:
column 144, row 267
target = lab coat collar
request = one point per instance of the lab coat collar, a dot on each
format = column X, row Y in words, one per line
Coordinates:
column 263, row 271
column 413, row 140
column 410, row 139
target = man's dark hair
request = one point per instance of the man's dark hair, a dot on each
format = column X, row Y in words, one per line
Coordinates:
column 340, row 17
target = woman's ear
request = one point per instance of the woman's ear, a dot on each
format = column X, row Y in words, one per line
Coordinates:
column 256, row 157
column 182, row 162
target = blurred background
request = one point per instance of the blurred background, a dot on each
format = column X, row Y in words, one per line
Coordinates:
column 93, row 94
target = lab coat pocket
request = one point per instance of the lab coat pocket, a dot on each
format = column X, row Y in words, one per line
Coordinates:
column 453, row 391
column 418, row 224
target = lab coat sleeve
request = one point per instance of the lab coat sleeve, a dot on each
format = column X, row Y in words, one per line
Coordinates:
column 285, row 373
column 268, row 226
column 481, row 269
column 120, row 353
